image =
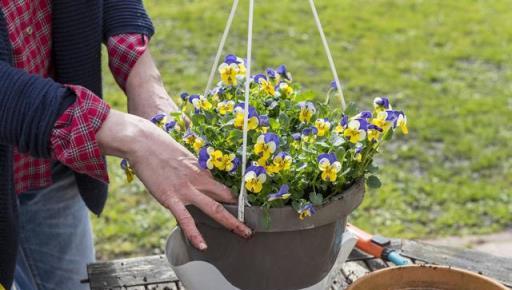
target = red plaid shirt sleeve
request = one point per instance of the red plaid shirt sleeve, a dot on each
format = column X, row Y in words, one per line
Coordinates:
column 123, row 52
column 73, row 139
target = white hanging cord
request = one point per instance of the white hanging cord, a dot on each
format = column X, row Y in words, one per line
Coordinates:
column 242, row 196
column 329, row 55
column 221, row 46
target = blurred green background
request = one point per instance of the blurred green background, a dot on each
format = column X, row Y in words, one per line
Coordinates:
column 447, row 63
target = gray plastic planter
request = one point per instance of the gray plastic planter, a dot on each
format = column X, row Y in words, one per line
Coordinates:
column 292, row 254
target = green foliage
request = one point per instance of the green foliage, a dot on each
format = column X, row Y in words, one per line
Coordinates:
column 445, row 62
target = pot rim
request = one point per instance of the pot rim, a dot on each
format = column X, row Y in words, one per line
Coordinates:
column 285, row 219
column 373, row 275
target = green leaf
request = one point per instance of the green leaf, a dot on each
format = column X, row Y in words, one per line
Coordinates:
column 274, row 124
column 315, row 198
column 351, row 109
column 323, row 144
column 373, row 181
column 284, row 120
column 337, row 141
column 388, row 135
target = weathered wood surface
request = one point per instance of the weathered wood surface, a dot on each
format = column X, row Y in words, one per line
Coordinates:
column 154, row 272
column 495, row 267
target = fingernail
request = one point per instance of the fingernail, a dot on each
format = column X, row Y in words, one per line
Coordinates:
column 247, row 233
column 202, row 246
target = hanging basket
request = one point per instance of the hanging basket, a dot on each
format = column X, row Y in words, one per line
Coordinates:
column 301, row 190
column 291, row 254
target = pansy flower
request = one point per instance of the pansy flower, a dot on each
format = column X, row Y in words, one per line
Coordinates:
column 401, row 122
column 272, row 74
column 329, row 166
column 363, row 115
column 264, row 121
column 385, row 119
column 307, row 110
column 198, row 143
column 189, row 137
column 224, row 162
column 159, row 119
column 323, row 126
column 374, row 132
column 309, row 134
column 356, row 130
column 228, row 74
column 170, row 125
column 284, row 90
column 381, row 104
column 128, row 171
column 205, row 158
column 281, row 194
column 334, row 86
column 342, row 125
column 266, row 145
column 283, row 72
column 264, row 85
column 306, row 210
column 200, row 102
column 184, row 96
column 282, row 161
column 357, row 153
column 225, row 107
column 254, row 178
column 253, row 120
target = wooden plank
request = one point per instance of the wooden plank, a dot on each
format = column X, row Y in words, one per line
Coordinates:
column 165, row 286
column 495, row 267
column 130, row 272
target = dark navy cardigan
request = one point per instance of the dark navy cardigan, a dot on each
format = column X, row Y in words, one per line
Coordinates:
column 30, row 105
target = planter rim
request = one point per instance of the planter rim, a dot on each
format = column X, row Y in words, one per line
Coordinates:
column 285, row 219
column 422, row 274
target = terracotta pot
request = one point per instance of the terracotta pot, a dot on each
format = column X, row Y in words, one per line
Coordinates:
column 425, row 277
column 292, row 254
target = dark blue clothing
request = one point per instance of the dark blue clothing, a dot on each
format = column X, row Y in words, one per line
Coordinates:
column 30, row 104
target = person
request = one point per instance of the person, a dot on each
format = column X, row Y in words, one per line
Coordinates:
column 55, row 131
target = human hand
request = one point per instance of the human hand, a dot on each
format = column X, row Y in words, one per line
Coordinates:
column 170, row 173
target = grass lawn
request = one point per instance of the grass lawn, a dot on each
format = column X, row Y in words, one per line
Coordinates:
column 446, row 63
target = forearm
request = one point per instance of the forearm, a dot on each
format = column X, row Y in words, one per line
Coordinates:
column 145, row 90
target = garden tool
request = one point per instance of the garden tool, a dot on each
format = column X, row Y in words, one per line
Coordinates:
column 377, row 246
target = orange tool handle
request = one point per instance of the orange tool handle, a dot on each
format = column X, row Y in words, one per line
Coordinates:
column 364, row 241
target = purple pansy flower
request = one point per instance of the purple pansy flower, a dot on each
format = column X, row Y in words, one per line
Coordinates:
column 259, row 77
column 230, row 58
column 374, row 127
column 184, row 96
column 264, row 121
column 364, row 115
column 296, row 136
column 331, row 157
column 158, row 118
column 169, row 126
column 310, row 131
column 204, row 156
column 281, row 194
column 271, row 73
column 306, row 210
column 381, row 102
column 281, row 70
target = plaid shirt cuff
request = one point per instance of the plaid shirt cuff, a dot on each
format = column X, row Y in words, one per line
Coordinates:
column 123, row 52
column 73, row 139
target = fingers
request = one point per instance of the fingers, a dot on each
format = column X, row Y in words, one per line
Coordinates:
column 187, row 224
column 215, row 190
column 216, row 211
